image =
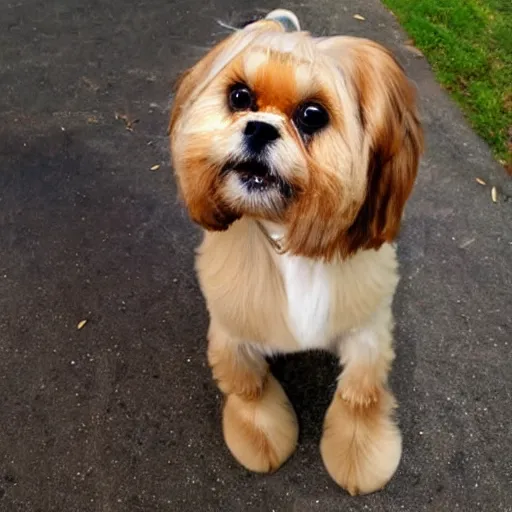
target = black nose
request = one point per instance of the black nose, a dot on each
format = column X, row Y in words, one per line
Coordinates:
column 259, row 134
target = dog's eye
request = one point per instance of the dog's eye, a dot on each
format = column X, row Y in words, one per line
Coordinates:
column 311, row 117
column 241, row 98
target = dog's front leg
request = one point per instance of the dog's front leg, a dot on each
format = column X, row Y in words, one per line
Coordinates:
column 361, row 444
column 259, row 423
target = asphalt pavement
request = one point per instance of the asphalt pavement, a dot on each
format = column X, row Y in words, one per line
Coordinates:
column 121, row 415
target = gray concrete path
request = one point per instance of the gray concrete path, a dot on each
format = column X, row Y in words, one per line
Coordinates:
column 122, row 416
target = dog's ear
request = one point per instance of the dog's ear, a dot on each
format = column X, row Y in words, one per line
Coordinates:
column 393, row 137
column 189, row 82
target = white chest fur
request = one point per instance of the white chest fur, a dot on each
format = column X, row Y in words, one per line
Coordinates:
column 308, row 291
column 327, row 300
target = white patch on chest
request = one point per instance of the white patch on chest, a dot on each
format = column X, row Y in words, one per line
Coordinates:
column 308, row 292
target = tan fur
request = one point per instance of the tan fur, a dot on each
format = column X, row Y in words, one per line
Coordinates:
column 361, row 445
column 236, row 368
column 230, row 267
column 261, row 433
column 190, row 83
column 349, row 183
column 393, row 140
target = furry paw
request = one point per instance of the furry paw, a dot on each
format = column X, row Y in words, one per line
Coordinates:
column 261, row 433
column 361, row 445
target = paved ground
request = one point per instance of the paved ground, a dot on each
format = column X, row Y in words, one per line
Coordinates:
column 121, row 416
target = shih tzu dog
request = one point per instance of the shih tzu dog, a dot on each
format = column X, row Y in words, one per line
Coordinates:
column 297, row 155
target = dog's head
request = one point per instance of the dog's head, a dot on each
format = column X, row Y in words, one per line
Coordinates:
column 318, row 135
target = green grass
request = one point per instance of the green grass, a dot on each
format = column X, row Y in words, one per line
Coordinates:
column 468, row 43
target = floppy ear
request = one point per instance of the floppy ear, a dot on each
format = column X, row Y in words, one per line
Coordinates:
column 189, row 82
column 393, row 137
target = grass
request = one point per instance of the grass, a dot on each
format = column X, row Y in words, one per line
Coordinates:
column 468, row 43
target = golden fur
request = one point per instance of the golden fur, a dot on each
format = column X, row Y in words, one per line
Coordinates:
column 333, row 286
column 261, row 433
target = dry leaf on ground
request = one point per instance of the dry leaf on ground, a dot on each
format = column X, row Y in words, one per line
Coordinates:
column 412, row 49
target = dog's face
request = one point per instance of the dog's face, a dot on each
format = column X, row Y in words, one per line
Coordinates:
column 318, row 135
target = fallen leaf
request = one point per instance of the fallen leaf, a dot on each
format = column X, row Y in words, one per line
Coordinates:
column 415, row 51
column 91, row 84
column 480, row 181
column 467, row 243
column 155, row 167
column 81, row 324
column 494, row 195
column 359, row 17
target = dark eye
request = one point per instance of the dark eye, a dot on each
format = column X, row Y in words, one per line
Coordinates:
column 311, row 117
column 241, row 98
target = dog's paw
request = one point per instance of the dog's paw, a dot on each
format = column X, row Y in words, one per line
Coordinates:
column 261, row 433
column 361, row 446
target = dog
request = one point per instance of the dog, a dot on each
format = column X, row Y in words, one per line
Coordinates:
column 296, row 155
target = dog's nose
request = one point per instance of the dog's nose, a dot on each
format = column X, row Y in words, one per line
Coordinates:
column 259, row 134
